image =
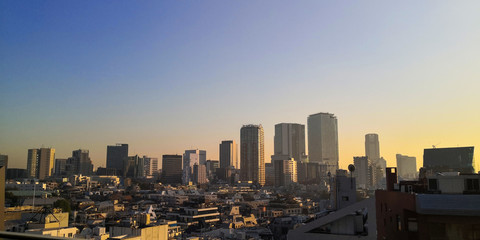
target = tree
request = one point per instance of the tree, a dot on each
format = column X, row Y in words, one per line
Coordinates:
column 63, row 204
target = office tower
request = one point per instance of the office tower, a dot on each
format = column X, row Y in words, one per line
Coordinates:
column 172, row 169
column 252, row 158
column 134, row 167
column 229, row 154
column 289, row 140
column 202, row 155
column 82, row 164
column 459, row 159
column 40, row 162
column 116, row 157
column 212, row 166
column 372, row 147
column 362, row 172
column 151, row 165
column 323, row 140
column 285, row 170
column 407, row 167
column 4, row 160
column 60, row 167
column 199, row 174
column 190, row 158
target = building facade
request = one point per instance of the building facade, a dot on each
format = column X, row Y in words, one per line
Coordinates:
column 40, row 162
column 117, row 155
column 459, row 159
column 172, row 169
column 406, row 166
column 372, row 146
column 290, row 140
column 252, row 157
column 323, row 140
column 229, row 154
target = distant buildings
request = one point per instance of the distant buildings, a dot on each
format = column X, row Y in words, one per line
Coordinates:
column 171, row 169
column 40, row 162
column 285, row 171
column 407, row 166
column 151, row 165
column 229, row 154
column 290, row 140
column 323, row 140
column 362, row 172
column 372, row 146
column 82, row 164
column 190, row 158
column 459, row 159
column 252, row 157
column 117, row 156
column 199, row 174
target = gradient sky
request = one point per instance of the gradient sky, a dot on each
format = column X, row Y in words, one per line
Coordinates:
column 165, row 76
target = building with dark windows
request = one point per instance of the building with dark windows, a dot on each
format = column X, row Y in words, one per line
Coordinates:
column 228, row 154
column 117, row 155
column 252, row 157
column 171, row 169
column 82, row 164
column 459, row 159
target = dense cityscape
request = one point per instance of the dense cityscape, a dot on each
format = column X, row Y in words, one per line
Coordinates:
column 249, row 120
column 241, row 196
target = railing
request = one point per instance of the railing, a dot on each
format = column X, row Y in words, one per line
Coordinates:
column 16, row 235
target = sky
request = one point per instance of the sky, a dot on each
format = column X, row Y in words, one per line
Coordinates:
column 166, row 76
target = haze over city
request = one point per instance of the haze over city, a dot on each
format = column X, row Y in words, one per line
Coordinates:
column 169, row 76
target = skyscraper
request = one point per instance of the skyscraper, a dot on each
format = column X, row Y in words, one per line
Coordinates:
column 407, row 166
column 117, row 156
column 171, row 169
column 40, row 162
column 190, row 158
column 372, row 146
column 82, row 164
column 228, row 154
column 323, row 140
column 151, row 165
column 32, row 163
column 252, row 157
column 285, row 171
column 362, row 172
column 60, row 167
column 289, row 140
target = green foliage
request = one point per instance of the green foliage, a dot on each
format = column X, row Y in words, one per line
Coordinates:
column 63, row 204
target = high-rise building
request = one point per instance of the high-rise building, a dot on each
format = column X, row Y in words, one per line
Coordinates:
column 212, row 166
column 32, row 163
column 459, row 159
column 290, row 140
column 4, row 160
column 117, row 156
column 323, row 140
column 269, row 174
column 82, row 164
column 285, row 170
column 252, row 157
column 134, row 167
column 407, row 167
column 190, row 158
column 60, row 167
column 372, row 146
column 228, row 154
column 151, row 165
column 40, row 162
column 172, row 169
column 199, row 174
column 363, row 168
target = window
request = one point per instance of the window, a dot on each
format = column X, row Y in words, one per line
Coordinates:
column 433, row 184
column 399, row 223
column 412, row 225
column 472, row 184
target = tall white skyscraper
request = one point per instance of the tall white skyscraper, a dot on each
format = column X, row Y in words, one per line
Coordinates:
column 289, row 140
column 229, row 154
column 323, row 140
column 252, row 156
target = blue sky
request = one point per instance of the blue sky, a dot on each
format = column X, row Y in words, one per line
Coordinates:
column 165, row 76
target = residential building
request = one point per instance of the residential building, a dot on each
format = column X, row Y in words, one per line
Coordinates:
column 199, row 174
column 40, row 162
column 229, row 154
column 323, row 140
column 60, row 167
column 82, row 164
column 151, row 165
column 252, row 157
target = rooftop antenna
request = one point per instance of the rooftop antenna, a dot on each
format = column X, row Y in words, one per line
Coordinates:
column 435, row 146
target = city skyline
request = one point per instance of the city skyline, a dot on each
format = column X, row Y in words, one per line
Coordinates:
column 84, row 76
